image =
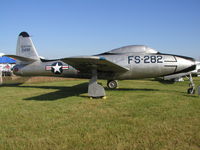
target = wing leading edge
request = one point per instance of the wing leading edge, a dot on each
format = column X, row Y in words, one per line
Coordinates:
column 89, row 63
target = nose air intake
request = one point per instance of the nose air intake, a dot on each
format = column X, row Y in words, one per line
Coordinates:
column 185, row 64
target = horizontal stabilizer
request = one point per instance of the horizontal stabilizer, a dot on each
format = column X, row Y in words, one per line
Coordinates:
column 20, row 58
column 88, row 63
column 48, row 60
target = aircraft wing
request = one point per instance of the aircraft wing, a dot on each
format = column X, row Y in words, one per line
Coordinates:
column 87, row 63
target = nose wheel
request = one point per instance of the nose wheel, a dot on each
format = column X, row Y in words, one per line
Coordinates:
column 191, row 89
column 112, row 84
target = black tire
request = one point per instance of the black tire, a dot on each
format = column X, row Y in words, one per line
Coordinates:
column 191, row 91
column 112, row 84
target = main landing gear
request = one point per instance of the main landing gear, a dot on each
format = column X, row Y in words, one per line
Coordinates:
column 112, row 84
column 95, row 90
column 191, row 89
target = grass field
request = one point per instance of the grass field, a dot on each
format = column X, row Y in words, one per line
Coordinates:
column 140, row 115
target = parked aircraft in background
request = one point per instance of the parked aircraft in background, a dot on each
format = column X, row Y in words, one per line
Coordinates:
column 196, row 72
column 129, row 62
column 179, row 77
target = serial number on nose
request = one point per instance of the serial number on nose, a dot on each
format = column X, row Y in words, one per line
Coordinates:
column 145, row 59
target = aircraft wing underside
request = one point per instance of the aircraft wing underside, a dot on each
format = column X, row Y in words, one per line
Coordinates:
column 88, row 63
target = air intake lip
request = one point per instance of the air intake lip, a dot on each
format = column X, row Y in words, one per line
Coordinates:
column 24, row 34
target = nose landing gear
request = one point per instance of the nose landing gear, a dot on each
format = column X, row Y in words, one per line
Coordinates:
column 191, row 89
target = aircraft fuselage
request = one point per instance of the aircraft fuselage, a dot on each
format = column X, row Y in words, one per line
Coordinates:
column 140, row 65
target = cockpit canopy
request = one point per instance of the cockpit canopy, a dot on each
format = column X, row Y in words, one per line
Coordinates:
column 133, row 49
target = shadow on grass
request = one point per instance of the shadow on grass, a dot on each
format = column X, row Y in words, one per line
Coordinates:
column 61, row 92
column 132, row 89
column 64, row 91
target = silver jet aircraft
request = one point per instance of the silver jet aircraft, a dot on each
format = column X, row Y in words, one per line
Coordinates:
column 129, row 62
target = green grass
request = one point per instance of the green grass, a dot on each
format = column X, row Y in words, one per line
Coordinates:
column 139, row 115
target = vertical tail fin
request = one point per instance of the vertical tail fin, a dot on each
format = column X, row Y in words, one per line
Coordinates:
column 25, row 47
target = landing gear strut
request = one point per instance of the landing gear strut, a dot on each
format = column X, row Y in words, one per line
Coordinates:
column 191, row 89
column 94, row 89
column 112, row 84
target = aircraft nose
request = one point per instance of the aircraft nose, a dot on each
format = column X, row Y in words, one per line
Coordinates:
column 185, row 64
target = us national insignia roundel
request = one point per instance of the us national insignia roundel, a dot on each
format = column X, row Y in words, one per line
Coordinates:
column 56, row 68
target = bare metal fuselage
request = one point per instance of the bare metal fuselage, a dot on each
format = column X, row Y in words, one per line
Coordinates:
column 140, row 65
column 128, row 62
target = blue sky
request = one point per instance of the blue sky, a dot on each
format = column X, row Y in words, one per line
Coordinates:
column 62, row 28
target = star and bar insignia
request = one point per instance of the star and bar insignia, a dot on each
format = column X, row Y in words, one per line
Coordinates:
column 56, row 68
